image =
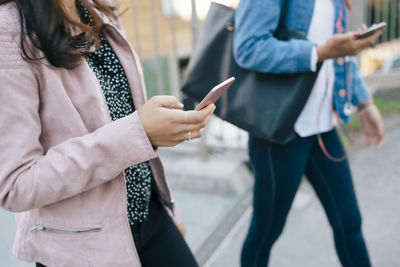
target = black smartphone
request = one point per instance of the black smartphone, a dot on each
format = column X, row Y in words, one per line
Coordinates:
column 371, row 30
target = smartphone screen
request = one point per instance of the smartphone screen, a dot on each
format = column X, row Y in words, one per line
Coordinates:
column 215, row 93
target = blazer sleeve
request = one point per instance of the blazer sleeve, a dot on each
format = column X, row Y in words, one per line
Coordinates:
column 254, row 44
column 31, row 177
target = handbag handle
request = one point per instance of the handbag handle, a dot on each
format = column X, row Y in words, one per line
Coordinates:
column 284, row 34
column 283, row 13
column 281, row 28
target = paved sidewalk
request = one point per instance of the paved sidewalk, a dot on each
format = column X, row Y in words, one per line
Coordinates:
column 7, row 233
column 307, row 239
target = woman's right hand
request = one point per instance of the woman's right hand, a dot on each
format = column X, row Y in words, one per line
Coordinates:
column 167, row 125
column 341, row 45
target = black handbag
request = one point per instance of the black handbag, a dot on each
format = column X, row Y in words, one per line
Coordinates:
column 265, row 105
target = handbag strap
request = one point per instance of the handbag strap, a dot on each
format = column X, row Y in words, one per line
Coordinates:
column 284, row 34
column 283, row 13
column 281, row 26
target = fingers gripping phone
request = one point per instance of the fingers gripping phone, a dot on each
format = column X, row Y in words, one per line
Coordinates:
column 215, row 93
column 371, row 30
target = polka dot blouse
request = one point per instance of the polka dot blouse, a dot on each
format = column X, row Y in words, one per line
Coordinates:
column 117, row 93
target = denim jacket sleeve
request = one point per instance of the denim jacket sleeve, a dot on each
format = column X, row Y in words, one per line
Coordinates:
column 255, row 46
column 359, row 91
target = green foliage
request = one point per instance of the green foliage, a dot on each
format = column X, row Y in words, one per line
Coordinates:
column 388, row 103
column 387, row 106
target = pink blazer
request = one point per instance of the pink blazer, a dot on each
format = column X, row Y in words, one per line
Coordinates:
column 62, row 158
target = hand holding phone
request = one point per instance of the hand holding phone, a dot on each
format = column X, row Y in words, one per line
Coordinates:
column 215, row 93
column 370, row 31
column 349, row 44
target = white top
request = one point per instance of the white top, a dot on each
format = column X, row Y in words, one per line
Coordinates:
column 321, row 29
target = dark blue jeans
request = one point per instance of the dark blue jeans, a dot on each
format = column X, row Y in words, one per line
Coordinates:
column 278, row 171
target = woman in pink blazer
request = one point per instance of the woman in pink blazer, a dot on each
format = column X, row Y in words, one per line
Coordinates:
column 78, row 160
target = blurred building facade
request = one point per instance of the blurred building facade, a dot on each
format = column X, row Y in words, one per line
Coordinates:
column 164, row 33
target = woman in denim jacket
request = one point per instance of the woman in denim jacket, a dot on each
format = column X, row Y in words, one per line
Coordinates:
column 317, row 150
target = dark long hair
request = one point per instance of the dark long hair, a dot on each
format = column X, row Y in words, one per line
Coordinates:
column 49, row 28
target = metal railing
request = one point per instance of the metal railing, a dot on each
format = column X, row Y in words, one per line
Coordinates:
column 385, row 10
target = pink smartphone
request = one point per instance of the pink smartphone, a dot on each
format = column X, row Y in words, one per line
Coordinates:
column 215, row 93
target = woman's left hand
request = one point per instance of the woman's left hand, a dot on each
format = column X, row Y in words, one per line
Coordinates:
column 372, row 126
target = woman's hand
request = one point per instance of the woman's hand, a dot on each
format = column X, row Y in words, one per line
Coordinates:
column 372, row 125
column 167, row 125
column 341, row 45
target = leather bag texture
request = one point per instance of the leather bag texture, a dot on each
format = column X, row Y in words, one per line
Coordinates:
column 265, row 105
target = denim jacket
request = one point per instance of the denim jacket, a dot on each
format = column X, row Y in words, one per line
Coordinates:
column 256, row 48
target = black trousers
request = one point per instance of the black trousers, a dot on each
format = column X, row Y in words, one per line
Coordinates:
column 278, row 171
column 158, row 241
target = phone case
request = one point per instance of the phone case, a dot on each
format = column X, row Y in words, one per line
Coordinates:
column 215, row 93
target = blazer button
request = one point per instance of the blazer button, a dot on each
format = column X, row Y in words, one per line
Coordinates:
column 340, row 61
column 342, row 93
